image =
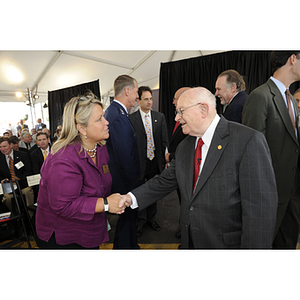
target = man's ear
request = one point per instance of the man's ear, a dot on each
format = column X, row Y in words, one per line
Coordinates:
column 204, row 109
column 127, row 91
column 233, row 87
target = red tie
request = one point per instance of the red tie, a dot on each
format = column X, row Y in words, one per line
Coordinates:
column 197, row 161
column 289, row 103
column 175, row 127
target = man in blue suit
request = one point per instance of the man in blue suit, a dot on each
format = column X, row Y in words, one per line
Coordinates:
column 230, row 88
column 123, row 152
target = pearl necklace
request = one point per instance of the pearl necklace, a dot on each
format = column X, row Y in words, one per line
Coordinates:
column 92, row 151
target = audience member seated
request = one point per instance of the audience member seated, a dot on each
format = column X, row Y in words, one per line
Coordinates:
column 46, row 130
column 57, row 133
column 34, row 147
column 39, row 155
column 26, row 140
column 14, row 165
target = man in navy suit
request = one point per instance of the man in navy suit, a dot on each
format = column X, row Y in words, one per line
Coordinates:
column 154, row 139
column 230, row 88
column 123, row 153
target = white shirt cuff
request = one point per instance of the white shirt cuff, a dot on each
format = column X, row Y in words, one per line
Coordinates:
column 134, row 201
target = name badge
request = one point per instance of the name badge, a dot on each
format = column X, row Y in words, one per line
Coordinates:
column 105, row 169
column 19, row 165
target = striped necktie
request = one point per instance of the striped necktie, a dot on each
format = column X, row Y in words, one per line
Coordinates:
column 12, row 170
column 150, row 147
column 45, row 154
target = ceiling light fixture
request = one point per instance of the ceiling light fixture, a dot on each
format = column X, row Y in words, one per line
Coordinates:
column 19, row 95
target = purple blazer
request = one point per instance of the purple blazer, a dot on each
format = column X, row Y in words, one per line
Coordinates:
column 69, row 188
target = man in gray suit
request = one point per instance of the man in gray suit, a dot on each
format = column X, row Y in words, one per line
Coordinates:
column 233, row 205
column 266, row 110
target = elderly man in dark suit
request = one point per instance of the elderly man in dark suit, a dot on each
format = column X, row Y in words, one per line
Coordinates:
column 123, row 153
column 228, row 189
column 230, row 87
column 267, row 110
column 14, row 165
column 151, row 130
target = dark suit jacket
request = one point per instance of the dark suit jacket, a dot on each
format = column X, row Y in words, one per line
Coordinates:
column 265, row 110
column 37, row 160
column 160, row 136
column 235, row 201
column 175, row 139
column 20, row 173
column 122, row 148
column 233, row 111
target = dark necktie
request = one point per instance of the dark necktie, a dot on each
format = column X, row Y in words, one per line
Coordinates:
column 197, row 161
column 12, row 170
column 289, row 103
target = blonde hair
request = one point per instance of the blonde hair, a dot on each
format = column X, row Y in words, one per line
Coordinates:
column 77, row 111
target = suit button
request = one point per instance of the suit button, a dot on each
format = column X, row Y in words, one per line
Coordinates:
column 191, row 208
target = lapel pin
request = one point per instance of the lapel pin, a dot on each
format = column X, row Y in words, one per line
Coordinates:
column 219, row 147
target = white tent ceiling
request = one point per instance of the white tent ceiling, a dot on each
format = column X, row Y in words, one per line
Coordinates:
column 43, row 71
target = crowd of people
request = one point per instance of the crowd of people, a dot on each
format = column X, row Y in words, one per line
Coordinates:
column 236, row 174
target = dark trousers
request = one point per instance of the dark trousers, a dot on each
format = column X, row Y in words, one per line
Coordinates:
column 148, row 214
column 287, row 235
column 125, row 235
column 51, row 244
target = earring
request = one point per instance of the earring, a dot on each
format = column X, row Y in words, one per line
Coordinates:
column 85, row 136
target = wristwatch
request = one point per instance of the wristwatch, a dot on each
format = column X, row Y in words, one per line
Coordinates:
column 106, row 205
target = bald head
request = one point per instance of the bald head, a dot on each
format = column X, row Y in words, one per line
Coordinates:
column 178, row 94
column 196, row 110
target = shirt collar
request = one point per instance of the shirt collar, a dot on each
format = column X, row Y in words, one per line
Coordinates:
column 11, row 154
column 143, row 113
column 121, row 105
column 208, row 135
column 280, row 85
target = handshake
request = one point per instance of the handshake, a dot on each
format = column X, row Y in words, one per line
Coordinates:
column 118, row 203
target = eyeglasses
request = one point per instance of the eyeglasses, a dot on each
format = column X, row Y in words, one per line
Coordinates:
column 181, row 110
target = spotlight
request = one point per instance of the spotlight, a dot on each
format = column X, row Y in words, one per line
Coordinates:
column 27, row 102
column 19, row 95
column 36, row 96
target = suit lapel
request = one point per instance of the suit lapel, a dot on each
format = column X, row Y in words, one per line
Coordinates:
column 215, row 151
column 282, row 109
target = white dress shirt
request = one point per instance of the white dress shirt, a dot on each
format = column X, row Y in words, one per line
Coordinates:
column 207, row 138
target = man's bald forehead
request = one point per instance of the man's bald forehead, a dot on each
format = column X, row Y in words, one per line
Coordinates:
column 180, row 91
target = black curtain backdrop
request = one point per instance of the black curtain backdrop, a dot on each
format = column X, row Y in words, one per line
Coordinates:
column 254, row 66
column 57, row 100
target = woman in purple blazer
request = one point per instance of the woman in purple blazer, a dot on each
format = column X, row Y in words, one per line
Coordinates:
column 75, row 181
